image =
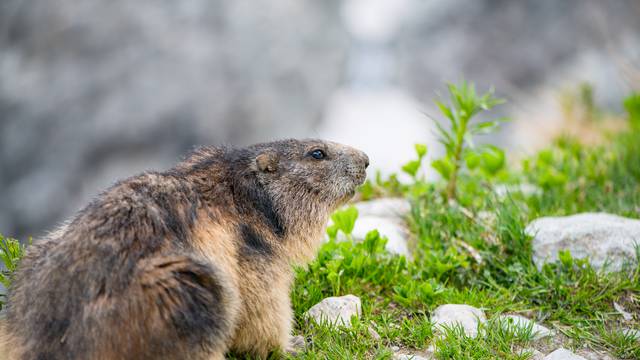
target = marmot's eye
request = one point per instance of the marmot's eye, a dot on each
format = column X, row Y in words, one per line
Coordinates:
column 318, row 154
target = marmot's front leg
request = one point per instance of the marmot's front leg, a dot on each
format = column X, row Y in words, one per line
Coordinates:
column 266, row 323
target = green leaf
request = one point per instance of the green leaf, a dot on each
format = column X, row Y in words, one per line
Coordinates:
column 421, row 150
column 345, row 219
column 632, row 105
column 411, row 167
column 443, row 166
column 445, row 110
column 565, row 258
column 472, row 159
column 332, row 231
column 493, row 160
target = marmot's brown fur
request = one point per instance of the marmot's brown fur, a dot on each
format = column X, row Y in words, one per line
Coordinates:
column 182, row 264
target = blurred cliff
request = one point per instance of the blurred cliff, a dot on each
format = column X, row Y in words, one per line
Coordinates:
column 93, row 91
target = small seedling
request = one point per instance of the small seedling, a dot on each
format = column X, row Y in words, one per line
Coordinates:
column 464, row 105
column 343, row 220
column 413, row 166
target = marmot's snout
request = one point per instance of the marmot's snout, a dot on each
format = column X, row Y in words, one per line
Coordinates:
column 359, row 167
column 355, row 163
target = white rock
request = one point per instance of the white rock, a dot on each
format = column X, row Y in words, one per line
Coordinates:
column 409, row 357
column 387, row 216
column 395, row 231
column 599, row 236
column 535, row 354
column 589, row 355
column 538, row 331
column 451, row 314
column 625, row 315
column 563, row 354
column 336, row 310
column 395, row 348
column 384, row 207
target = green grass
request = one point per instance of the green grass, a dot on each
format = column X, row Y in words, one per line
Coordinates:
column 474, row 250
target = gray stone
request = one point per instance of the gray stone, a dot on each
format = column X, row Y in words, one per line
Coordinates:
column 538, row 331
column 599, row 236
column 627, row 316
column 592, row 355
column 410, row 357
column 563, row 354
column 449, row 315
column 535, row 354
column 336, row 310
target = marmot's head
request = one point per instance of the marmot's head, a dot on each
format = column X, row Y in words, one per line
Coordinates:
column 295, row 183
column 310, row 170
column 289, row 186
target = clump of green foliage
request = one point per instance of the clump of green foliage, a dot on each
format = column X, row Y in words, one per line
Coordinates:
column 475, row 251
column 11, row 252
column 632, row 105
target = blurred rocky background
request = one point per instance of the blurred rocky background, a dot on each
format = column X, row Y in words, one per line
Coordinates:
column 92, row 91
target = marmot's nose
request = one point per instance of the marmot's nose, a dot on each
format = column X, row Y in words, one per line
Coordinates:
column 365, row 159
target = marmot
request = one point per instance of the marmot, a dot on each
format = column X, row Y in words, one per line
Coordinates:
column 182, row 264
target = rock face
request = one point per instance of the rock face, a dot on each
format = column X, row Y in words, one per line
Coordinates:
column 598, row 236
column 563, row 354
column 336, row 310
column 101, row 90
column 538, row 331
column 450, row 315
column 485, row 29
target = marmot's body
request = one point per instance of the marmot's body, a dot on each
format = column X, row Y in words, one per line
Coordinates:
column 184, row 264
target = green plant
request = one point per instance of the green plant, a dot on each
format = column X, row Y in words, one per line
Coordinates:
column 10, row 254
column 463, row 106
column 632, row 105
column 413, row 166
column 343, row 220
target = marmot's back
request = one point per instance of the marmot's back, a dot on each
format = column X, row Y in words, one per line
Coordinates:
column 121, row 264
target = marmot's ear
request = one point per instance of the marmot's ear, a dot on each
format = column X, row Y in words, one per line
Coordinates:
column 267, row 162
